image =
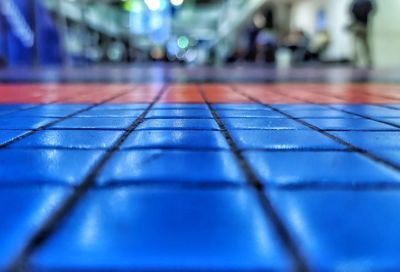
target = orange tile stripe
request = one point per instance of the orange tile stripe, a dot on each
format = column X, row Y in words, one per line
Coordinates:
column 282, row 93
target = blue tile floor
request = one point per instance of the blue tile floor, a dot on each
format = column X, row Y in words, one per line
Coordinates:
column 187, row 187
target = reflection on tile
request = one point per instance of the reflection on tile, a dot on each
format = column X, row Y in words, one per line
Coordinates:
column 319, row 169
column 80, row 139
column 179, row 139
column 41, row 166
column 156, row 229
column 172, row 167
column 343, row 230
column 23, row 211
column 283, row 139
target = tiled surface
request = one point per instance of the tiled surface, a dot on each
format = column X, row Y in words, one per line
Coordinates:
column 346, row 230
column 172, row 167
column 45, row 166
column 180, row 176
column 323, row 169
column 24, row 210
column 208, row 230
column 176, row 139
column 70, row 139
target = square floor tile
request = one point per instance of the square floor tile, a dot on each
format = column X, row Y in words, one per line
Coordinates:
column 181, row 106
column 230, row 106
column 391, row 155
column 283, row 139
column 171, row 167
column 179, row 113
column 95, row 123
column 178, row 124
column 23, row 210
column 265, row 113
column 24, row 122
column 358, row 107
column 370, row 140
column 9, row 135
column 393, row 121
column 8, row 108
column 81, row 139
column 262, row 123
column 45, row 166
column 150, row 229
column 319, row 169
column 300, row 107
column 394, row 106
column 343, row 230
column 348, row 124
column 121, row 107
column 56, row 110
column 377, row 112
column 179, row 139
column 327, row 113
column 111, row 113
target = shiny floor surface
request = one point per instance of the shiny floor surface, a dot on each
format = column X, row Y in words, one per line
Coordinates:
column 200, row 177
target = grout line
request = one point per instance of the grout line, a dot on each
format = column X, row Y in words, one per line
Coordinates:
column 349, row 112
column 367, row 117
column 40, row 236
column 361, row 116
column 351, row 147
column 4, row 114
column 254, row 182
column 58, row 120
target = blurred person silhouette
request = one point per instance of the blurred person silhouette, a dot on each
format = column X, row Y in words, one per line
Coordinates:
column 361, row 11
column 298, row 42
column 267, row 44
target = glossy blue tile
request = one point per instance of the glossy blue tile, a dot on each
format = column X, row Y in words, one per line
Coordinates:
column 348, row 124
column 391, row 155
column 23, row 210
column 371, row 111
column 265, row 113
column 111, row 113
column 327, row 113
column 9, row 135
column 238, row 107
column 178, row 124
column 371, row 140
column 23, row 122
column 319, row 169
column 181, row 106
column 89, row 139
column 6, row 109
column 261, row 123
column 395, row 106
column 171, row 167
column 283, row 139
column 95, row 123
column 150, row 229
column 180, row 139
column 343, row 230
column 121, row 107
column 50, row 166
column 300, row 107
column 54, row 110
column 179, row 113
column 393, row 121
column 357, row 107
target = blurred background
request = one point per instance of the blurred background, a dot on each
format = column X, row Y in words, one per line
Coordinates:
column 276, row 33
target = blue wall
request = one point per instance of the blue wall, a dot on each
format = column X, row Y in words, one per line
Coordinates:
column 19, row 52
